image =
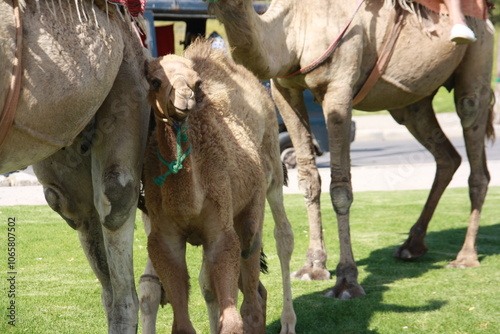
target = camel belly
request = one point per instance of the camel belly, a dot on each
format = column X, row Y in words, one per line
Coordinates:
column 398, row 87
column 68, row 69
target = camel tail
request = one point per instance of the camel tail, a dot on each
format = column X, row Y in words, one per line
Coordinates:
column 141, row 200
column 285, row 174
column 490, row 130
column 263, row 262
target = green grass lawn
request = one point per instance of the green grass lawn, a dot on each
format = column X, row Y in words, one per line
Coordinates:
column 56, row 292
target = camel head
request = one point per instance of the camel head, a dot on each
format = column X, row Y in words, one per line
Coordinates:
column 174, row 86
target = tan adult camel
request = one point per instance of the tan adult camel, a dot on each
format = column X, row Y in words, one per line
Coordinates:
column 293, row 34
column 82, row 119
column 210, row 164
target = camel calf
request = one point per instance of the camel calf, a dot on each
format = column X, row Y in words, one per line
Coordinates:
column 211, row 162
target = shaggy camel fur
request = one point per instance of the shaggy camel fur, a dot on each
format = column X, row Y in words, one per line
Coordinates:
column 215, row 120
column 292, row 34
column 82, row 120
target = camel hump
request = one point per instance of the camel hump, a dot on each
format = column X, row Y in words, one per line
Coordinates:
column 215, row 64
column 201, row 49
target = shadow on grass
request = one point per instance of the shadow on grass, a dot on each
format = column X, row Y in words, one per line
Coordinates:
column 318, row 314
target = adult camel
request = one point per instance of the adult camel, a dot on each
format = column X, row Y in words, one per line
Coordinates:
column 81, row 119
column 291, row 35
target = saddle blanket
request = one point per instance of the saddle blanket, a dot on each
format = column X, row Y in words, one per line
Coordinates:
column 473, row 8
column 135, row 7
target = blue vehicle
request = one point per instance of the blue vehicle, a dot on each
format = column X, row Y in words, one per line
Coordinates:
column 318, row 128
column 195, row 14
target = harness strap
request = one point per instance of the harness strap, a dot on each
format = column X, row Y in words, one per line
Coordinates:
column 328, row 51
column 10, row 107
column 158, row 110
column 383, row 59
column 175, row 166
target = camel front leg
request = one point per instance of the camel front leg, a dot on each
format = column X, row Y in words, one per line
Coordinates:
column 292, row 108
column 219, row 284
column 124, row 308
column 253, row 307
column 168, row 255
column 115, row 196
column 248, row 225
column 337, row 107
column 117, row 157
column 222, row 265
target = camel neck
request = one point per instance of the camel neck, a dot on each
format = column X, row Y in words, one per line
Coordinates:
column 248, row 35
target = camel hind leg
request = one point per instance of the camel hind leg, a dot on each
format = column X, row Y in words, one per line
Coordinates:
column 151, row 293
column 421, row 121
column 73, row 201
column 69, row 190
column 283, row 235
column 478, row 186
column 150, row 298
column 473, row 98
column 209, row 297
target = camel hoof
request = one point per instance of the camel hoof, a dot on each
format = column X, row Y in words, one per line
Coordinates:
column 288, row 330
column 405, row 253
column 350, row 292
column 312, row 274
column 463, row 263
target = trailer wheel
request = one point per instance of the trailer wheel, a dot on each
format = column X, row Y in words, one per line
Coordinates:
column 287, row 151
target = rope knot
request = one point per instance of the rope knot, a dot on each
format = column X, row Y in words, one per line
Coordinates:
column 175, row 166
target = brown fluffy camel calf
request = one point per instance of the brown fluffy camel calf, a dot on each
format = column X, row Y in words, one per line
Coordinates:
column 212, row 161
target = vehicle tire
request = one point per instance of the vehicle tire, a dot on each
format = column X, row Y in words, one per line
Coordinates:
column 287, row 151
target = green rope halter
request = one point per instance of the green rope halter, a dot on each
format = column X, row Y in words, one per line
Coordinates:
column 175, row 166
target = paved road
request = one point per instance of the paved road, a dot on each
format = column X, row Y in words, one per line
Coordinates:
column 397, row 152
column 384, row 156
column 379, row 164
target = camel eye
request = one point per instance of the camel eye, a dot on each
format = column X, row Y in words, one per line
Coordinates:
column 156, row 83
